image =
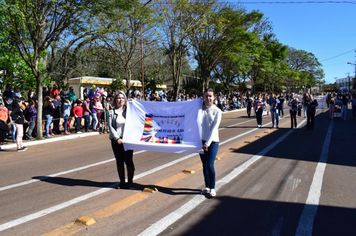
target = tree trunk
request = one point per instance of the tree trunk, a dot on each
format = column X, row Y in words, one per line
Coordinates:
column 39, row 107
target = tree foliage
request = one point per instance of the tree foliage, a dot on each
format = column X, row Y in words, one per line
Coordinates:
column 54, row 40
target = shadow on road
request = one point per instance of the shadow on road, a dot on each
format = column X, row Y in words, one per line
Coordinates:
column 235, row 216
column 307, row 145
column 74, row 182
column 138, row 187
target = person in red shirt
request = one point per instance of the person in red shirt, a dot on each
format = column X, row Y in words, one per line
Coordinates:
column 4, row 115
column 78, row 114
column 54, row 91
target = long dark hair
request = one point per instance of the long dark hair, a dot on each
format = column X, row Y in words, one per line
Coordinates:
column 47, row 101
column 15, row 102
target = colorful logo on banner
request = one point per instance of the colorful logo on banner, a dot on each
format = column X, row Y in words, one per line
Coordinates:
column 163, row 129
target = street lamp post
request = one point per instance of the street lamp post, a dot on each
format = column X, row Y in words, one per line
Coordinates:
column 353, row 64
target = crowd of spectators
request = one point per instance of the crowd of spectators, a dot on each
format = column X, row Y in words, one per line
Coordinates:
column 64, row 113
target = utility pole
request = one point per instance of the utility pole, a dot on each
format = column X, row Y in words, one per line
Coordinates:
column 142, row 71
column 354, row 64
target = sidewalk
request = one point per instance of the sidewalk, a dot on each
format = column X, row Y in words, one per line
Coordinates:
column 58, row 137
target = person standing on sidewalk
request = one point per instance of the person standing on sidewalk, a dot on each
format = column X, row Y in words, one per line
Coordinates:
column 48, row 110
column 116, row 122
column 210, row 128
column 31, row 117
column 18, row 118
column 67, row 107
column 86, row 113
column 78, row 114
column 57, row 113
column 107, row 107
column 4, row 115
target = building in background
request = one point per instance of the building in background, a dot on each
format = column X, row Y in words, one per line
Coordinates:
column 344, row 84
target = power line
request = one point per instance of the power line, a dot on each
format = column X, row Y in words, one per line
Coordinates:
column 301, row 2
column 338, row 55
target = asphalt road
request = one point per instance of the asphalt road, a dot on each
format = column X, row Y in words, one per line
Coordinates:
column 269, row 182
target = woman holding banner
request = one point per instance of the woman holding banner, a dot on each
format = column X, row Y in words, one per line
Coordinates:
column 210, row 135
column 116, row 122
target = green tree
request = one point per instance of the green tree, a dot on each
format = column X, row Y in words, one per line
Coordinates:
column 275, row 68
column 33, row 26
column 219, row 33
column 15, row 71
column 176, row 22
column 123, row 39
column 307, row 67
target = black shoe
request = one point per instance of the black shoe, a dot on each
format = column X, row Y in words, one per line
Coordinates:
column 122, row 185
column 22, row 149
column 130, row 185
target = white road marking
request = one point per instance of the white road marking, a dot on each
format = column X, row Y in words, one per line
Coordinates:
column 59, row 173
column 94, row 164
column 199, row 198
column 51, row 140
column 306, row 221
column 162, row 224
column 89, row 195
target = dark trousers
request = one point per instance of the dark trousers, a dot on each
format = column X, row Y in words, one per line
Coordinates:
column 293, row 118
column 310, row 119
column 281, row 109
column 31, row 127
column 249, row 111
column 122, row 157
column 259, row 116
column 87, row 122
column 56, row 125
column 78, row 122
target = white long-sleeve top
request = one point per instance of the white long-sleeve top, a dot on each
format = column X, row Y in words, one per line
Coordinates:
column 210, row 124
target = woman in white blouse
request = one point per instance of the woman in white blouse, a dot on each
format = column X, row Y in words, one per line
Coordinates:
column 210, row 135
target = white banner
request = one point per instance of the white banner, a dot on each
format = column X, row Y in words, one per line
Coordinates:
column 321, row 102
column 173, row 127
column 299, row 97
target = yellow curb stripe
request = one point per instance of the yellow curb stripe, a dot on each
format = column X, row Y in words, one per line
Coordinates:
column 119, row 206
column 73, row 228
column 67, row 230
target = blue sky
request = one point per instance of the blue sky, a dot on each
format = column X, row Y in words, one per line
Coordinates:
column 328, row 30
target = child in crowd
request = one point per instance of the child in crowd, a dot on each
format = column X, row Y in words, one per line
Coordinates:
column 78, row 114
